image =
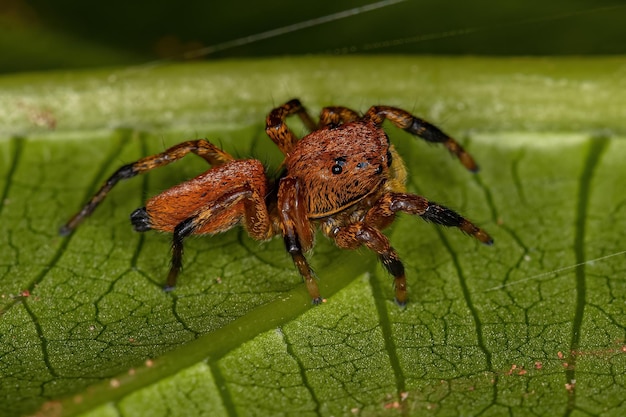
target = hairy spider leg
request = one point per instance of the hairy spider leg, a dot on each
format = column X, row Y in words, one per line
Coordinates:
column 357, row 234
column 296, row 227
column 421, row 128
column 201, row 147
column 335, row 115
column 256, row 221
column 277, row 129
column 434, row 213
column 368, row 233
column 297, row 231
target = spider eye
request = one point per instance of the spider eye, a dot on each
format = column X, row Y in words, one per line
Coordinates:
column 338, row 167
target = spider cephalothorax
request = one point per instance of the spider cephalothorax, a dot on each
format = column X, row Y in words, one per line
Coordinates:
column 350, row 163
column 344, row 177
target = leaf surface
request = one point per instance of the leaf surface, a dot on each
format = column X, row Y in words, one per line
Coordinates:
column 526, row 327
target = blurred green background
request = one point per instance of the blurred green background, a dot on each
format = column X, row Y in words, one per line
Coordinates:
column 44, row 34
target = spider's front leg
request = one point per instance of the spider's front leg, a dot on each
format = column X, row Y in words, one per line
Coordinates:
column 336, row 115
column 382, row 214
column 297, row 231
column 392, row 203
column 357, row 234
column 277, row 129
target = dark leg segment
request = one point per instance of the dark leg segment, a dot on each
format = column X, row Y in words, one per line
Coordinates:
column 292, row 244
column 140, row 220
column 421, row 128
column 125, row 172
column 201, row 147
column 181, row 231
column 394, row 266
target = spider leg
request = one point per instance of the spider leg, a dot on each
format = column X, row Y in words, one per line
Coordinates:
column 201, row 147
column 382, row 214
column 335, row 115
column 255, row 218
column 297, row 232
column 392, row 203
column 357, row 234
column 181, row 231
column 421, row 128
column 277, row 129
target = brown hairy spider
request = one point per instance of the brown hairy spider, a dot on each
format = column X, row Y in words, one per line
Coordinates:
column 344, row 177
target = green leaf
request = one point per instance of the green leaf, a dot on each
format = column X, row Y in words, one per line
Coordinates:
column 533, row 325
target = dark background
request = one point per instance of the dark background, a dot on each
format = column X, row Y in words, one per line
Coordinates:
column 44, row 34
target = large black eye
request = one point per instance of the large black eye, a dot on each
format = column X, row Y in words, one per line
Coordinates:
column 338, row 167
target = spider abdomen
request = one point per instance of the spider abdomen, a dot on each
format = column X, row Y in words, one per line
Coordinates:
column 185, row 200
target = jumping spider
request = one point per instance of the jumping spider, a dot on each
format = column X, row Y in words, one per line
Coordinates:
column 344, row 177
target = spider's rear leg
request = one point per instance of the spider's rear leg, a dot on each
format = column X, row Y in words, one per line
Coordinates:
column 242, row 203
column 201, row 147
column 421, row 128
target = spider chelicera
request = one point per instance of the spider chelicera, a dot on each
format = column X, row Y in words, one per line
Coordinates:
column 344, row 177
